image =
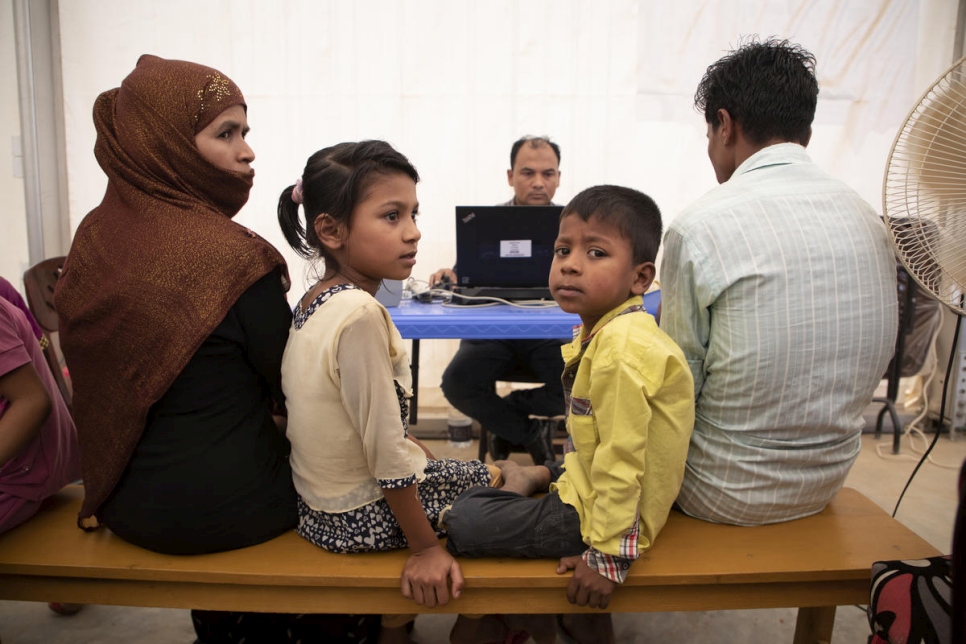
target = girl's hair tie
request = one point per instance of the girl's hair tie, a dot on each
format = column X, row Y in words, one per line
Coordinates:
column 297, row 192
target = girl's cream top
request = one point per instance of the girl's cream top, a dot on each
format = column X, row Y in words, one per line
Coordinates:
column 348, row 433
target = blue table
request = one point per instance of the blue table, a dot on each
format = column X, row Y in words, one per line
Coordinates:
column 417, row 321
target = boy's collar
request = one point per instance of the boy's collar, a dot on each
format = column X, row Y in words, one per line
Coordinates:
column 632, row 304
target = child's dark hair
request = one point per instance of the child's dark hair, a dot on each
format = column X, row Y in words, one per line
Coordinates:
column 633, row 213
column 769, row 88
column 334, row 181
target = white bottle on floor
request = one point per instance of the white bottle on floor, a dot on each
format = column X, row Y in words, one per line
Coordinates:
column 459, row 428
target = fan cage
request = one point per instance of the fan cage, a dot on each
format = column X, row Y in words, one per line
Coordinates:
column 924, row 190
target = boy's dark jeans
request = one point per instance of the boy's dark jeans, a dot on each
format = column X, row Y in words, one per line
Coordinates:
column 489, row 522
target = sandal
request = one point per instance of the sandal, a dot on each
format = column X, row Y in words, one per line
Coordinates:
column 64, row 608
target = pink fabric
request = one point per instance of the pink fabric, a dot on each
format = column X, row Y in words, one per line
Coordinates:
column 10, row 294
column 15, row 510
column 50, row 460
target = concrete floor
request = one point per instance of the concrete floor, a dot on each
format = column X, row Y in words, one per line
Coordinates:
column 928, row 509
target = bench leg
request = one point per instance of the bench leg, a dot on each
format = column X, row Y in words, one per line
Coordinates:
column 814, row 625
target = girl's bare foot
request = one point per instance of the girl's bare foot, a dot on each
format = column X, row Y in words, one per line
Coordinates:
column 480, row 629
column 524, row 479
column 471, row 630
column 396, row 629
column 586, row 627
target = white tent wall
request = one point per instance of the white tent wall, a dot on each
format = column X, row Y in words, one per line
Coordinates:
column 452, row 84
column 14, row 255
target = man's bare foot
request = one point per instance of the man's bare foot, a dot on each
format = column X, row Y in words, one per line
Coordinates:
column 524, row 479
column 394, row 635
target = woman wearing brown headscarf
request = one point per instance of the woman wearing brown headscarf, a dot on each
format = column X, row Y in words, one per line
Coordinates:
column 173, row 320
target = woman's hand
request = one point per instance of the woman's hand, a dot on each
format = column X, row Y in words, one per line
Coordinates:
column 426, row 574
column 28, row 407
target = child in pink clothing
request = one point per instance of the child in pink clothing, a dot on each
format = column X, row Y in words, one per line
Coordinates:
column 38, row 441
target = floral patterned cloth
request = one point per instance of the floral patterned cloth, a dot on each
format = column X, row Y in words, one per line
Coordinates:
column 911, row 601
column 373, row 526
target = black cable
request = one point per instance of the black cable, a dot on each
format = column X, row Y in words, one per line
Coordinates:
column 942, row 413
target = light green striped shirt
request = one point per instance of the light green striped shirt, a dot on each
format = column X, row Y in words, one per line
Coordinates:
column 780, row 287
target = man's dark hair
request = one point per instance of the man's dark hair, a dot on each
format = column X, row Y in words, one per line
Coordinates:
column 769, row 88
column 534, row 142
column 633, row 213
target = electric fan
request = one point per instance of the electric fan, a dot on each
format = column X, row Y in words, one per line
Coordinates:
column 924, row 203
column 924, row 192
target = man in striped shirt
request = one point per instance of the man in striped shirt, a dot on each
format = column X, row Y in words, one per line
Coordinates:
column 779, row 286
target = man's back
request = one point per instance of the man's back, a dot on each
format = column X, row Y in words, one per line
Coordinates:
column 789, row 326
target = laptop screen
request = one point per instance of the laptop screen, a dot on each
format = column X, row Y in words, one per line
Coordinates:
column 505, row 246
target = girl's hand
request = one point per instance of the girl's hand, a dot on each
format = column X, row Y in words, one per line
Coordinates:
column 425, row 576
column 423, row 447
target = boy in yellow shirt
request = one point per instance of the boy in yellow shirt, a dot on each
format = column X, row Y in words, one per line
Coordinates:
column 630, row 411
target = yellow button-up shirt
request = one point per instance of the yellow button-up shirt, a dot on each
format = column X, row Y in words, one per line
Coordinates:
column 630, row 411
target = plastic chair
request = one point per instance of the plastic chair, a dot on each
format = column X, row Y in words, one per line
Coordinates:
column 918, row 317
column 38, row 281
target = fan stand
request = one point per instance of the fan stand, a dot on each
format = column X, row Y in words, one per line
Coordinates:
column 895, row 372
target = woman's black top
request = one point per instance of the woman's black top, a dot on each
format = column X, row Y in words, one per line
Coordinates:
column 211, row 470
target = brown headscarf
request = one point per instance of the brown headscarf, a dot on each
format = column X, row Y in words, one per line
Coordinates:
column 157, row 265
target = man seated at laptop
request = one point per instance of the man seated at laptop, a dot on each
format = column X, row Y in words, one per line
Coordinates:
column 469, row 380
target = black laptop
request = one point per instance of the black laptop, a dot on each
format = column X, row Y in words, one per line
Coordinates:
column 505, row 251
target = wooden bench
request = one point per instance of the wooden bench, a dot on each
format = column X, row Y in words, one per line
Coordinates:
column 815, row 564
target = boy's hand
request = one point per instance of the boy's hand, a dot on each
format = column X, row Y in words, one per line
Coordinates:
column 425, row 576
column 587, row 587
